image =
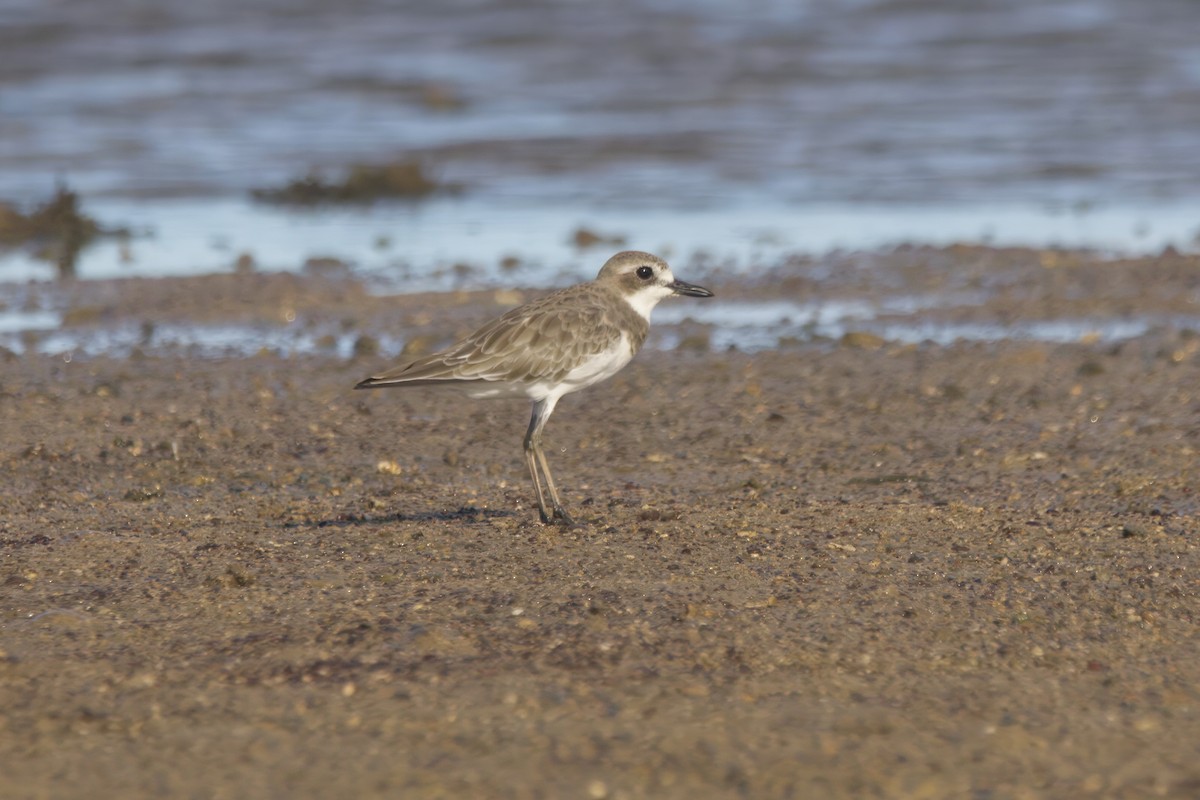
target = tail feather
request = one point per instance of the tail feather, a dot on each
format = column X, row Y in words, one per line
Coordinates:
column 384, row 382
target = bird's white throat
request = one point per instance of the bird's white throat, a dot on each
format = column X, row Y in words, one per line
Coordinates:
column 646, row 298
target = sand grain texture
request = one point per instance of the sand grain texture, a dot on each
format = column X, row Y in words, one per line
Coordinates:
column 900, row 571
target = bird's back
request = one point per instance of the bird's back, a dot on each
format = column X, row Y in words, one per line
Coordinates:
column 541, row 342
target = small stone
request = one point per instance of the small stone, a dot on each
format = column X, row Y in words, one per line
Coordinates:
column 1131, row 529
column 366, row 345
column 508, row 297
column 862, row 340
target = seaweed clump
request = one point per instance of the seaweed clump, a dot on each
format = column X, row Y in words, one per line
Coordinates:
column 55, row 231
column 364, row 183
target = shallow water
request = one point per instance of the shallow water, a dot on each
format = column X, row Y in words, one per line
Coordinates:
column 463, row 243
column 644, row 102
column 714, row 133
column 744, row 325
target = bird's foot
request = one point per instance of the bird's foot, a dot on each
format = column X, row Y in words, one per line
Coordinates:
column 558, row 517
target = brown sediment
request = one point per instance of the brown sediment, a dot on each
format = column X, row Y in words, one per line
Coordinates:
column 837, row 571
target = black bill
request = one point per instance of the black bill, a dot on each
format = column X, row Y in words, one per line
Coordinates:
column 690, row 289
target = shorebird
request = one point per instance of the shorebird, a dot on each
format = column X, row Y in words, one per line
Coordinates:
column 561, row 343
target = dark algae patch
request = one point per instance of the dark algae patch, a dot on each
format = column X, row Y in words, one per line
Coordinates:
column 362, row 183
column 56, row 230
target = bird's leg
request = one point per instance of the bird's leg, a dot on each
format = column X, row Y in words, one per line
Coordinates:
column 531, row 461
column 535, row 458
column 532, row 436
column 559, row 510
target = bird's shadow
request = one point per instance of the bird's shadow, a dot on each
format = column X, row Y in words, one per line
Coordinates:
column 464, row 514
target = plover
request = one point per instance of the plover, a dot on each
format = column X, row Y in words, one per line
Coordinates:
column 561, row 343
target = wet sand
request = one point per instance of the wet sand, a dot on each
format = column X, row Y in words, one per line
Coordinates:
column 835, row 569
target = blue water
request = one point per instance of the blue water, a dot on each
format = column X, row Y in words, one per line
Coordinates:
column 747, row 326
column 462, row 242
column 714, row 132
column 634, row 103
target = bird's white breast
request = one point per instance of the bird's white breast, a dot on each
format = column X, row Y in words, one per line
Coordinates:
column 601, row 366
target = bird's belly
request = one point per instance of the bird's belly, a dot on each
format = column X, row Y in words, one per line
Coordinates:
column 483, row 390
column 593, row 369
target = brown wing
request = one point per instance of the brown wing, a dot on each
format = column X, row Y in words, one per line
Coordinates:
column 543, row 340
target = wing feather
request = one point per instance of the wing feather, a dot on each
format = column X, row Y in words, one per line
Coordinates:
column 541, row 341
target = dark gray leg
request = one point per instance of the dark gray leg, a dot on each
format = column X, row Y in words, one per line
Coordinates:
column 531, row 462
column 536, row 459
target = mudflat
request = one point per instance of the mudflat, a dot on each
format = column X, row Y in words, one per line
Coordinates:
column 848, row 568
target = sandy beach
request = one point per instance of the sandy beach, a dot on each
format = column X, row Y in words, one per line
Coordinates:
column 836, row 568
column 909, row 510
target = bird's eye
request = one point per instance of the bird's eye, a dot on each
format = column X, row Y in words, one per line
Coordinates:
column 645, row 273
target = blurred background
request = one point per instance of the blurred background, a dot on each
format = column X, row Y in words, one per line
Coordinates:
column 486, row 142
